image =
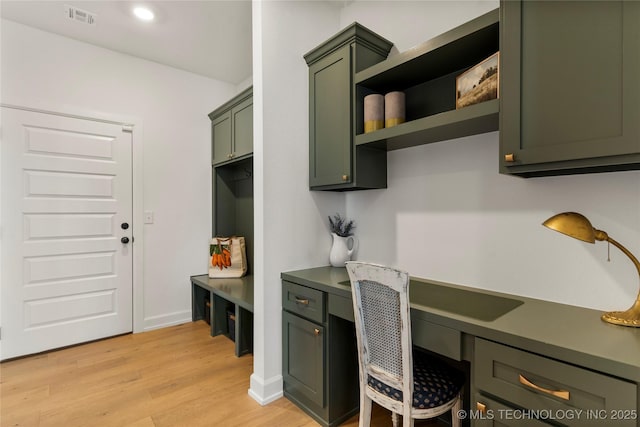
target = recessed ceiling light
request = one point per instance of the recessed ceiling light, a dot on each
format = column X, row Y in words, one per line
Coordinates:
column 143, row 13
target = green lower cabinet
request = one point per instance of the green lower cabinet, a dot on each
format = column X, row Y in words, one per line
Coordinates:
column 303, row 358
column 570, row 94
column 550, row 390
column 319, row 357
column 487, row 412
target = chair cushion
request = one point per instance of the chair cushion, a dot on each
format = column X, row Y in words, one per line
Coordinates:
column 434, row 383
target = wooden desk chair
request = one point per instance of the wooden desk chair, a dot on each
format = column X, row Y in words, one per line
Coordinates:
column 406, row 382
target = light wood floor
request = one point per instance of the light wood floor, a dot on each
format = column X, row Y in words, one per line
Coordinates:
column 177, row 376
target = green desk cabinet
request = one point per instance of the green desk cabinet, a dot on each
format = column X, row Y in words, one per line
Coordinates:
column 334, row 162
column 319, row 358
column 576, row 370
column 569, row 90
column 232, row 129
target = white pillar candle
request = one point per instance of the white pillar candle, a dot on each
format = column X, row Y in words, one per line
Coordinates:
column 373, row 112
column 394, row 113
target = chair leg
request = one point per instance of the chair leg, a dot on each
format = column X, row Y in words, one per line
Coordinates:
column 395, row 419
column 455, row 419
column 365, row 410
column 407, row 420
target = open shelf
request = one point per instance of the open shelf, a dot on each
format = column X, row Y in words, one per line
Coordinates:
column 233, row 202
column 472, row 120
column 427, row 75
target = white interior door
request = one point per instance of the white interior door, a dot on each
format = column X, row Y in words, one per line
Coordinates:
column 66, row 263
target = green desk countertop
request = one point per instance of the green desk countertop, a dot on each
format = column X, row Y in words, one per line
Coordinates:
column 560, row 331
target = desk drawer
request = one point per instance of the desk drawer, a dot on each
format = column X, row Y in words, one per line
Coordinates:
column 541, row 384
column 436, row 338
column 303, row 301
column 341, row 307
column 487, row 412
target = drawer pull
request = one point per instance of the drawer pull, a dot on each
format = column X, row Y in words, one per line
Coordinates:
column 302, row 301
column 562, row 394
column 509, row 157
column 481, row 407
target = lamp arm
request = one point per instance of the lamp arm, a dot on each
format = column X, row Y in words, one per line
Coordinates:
column 630, row 317
column 626, row 252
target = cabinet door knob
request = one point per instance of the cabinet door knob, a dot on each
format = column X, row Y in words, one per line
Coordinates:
column 345, row 177
column 510, row 157
column 481, row 407
column 316, row 331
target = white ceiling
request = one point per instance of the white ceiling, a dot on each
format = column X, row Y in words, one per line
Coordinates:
column 207, row 37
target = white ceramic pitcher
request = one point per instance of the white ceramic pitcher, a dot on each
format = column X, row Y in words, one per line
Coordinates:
column 340, row 252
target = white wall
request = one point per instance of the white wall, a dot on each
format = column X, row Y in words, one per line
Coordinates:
column 43, row 69
column 291, row 229
column 448, row 215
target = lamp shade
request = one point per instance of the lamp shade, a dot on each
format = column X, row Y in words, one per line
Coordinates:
column 572, row 224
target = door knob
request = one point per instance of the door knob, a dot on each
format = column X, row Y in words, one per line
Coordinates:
column 125, row 240
column 124, row 225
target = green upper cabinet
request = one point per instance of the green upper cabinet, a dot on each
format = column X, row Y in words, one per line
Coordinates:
column 232, row 129
column 570, row 87
column 334, row 162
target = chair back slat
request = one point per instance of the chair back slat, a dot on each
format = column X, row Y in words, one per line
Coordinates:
column 381, row 312
column 381, row 324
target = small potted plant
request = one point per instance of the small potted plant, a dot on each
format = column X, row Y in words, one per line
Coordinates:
column 344, row 242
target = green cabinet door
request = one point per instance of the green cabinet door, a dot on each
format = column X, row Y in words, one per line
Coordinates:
column 232, row 129
column 221, row 138
column 569, row 90
column 303, row 358
column 330, row 120
column 335, row 163
column 242, row 116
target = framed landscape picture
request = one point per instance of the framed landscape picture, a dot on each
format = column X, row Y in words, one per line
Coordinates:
column 478, row 84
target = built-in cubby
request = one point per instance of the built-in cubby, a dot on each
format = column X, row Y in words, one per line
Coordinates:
column 227, row 303
column 427, row 75
column 233, row 203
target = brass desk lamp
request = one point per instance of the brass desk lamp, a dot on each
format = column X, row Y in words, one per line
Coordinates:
column 577, row 226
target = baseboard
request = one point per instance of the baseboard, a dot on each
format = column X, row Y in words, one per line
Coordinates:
column 265, row 392
column 165, row 320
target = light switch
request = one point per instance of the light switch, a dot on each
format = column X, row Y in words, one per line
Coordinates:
column 148, row 217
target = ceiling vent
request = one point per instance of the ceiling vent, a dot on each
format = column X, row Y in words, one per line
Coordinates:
column 80, row 15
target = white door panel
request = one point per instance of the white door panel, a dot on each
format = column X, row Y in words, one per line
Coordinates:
column 66, row 205
column 58, row 184
column 70, row 246
column 42, row 162
column 46, row 226
column 66, row 190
